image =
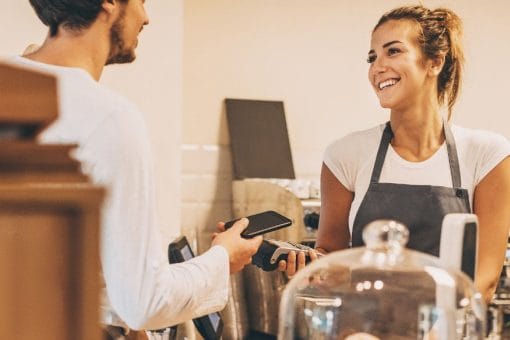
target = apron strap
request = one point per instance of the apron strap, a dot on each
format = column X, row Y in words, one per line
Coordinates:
column 381, row 153
column 452, row 155
column 450, row 147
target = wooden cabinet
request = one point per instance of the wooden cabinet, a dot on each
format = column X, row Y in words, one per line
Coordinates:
column 49, row 222
column 49, row 281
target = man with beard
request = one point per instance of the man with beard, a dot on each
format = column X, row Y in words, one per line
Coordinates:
column 142, row 290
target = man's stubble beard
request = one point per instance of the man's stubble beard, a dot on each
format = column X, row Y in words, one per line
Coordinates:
column 119, row 54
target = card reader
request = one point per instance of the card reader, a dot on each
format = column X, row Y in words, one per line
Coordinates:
column 209, row 326
column 273, row 251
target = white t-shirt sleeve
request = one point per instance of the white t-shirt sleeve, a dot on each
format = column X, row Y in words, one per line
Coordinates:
column 143, row 289
column 489, row 152
column 347, row 156
column 337, row 159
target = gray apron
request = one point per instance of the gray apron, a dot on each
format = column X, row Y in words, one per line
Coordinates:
column 421, row 208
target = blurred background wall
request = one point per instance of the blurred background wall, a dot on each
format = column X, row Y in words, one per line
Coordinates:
column 309, row 54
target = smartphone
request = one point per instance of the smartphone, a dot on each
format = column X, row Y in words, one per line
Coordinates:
column 262, row 223
column 209, row 326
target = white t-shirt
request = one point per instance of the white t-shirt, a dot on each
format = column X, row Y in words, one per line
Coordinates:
column 351, row 159
column 113, row 148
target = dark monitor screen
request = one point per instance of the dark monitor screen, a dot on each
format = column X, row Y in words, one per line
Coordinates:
column 259, row 139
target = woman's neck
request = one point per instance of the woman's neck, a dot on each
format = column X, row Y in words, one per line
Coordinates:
column 418, row 133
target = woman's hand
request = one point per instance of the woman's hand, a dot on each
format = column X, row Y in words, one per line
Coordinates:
column 296, row 261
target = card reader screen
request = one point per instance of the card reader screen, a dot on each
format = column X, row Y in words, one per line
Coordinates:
column 215, row 319
column 186, row 252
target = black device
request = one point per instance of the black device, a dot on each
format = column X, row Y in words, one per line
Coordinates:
column 273, row 251
column 259, row 139
column 459, row 242
column 209, row 326
column 262, row 223
column 469, row 249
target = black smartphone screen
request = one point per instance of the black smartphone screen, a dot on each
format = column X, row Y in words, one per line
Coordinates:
column 262, row 223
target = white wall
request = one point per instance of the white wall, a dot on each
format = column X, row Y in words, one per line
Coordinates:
column 153, row 82
column 311, row 55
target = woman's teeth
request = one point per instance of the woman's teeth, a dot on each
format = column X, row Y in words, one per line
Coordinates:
column 387, row 83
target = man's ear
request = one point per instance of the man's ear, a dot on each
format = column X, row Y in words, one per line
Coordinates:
column 436, row 65
column 109, row 10
column 109, row 6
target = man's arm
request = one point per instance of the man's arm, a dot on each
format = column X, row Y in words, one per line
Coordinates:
column 143, row 289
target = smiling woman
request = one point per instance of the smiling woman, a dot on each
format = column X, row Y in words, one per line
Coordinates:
column 417, row 167
column 428, row 37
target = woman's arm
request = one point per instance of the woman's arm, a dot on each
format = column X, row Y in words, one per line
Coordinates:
column 333, row 233
column 491, row 204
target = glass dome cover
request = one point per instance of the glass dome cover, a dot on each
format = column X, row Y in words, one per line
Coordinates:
column 381, row 291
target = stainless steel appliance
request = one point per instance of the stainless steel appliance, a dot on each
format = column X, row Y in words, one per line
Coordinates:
column 311, row 220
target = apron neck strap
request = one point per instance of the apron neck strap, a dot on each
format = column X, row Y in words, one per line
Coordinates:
column 381, row 153
column 452, row 154
column 450, row 146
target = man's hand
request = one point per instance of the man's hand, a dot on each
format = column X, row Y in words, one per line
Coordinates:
column 240, row 250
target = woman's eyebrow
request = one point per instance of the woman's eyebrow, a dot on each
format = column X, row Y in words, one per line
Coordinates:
column 386, row 45
column 391, row 43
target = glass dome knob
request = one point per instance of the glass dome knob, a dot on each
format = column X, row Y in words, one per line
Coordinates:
column 385, row 235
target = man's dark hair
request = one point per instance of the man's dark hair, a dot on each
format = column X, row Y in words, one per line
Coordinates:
column 72, row 14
